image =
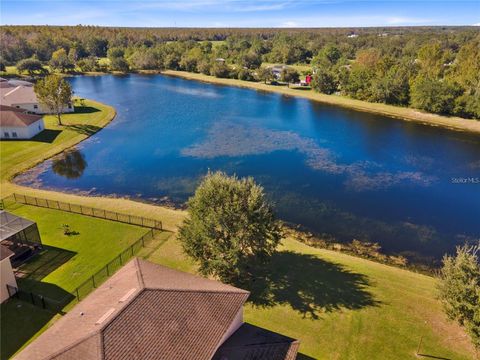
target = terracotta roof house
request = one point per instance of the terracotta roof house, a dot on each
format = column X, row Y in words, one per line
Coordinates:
column 19, row 124
column 21, row 95
column 148, row 311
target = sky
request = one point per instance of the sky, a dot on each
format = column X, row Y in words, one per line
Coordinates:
column 239, row 13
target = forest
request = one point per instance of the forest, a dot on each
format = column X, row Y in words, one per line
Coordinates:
column 436, row 69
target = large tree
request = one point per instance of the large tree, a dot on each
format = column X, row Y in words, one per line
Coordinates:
column 30, row 66
column 460, row 289
column 230, row 226
column 54, row 93
column 61, row 61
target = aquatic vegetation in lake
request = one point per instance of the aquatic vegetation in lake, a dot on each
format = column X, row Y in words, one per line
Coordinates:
column 236, row 140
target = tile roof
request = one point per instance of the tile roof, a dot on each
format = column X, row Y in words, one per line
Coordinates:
column 21, row 94
column 253, row 342
column 13, row 117
column 144, row 311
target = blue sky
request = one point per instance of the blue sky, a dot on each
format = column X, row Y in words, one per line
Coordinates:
column 240, row 13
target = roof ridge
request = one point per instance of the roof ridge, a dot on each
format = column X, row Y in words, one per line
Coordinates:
column 12, row 91
column 239, row 291
column 139, row 271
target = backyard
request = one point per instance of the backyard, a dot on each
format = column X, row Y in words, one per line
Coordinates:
column 65, row 263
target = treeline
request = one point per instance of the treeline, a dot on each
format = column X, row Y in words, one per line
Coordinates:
column 434, row 69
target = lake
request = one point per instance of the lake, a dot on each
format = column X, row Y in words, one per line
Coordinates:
column 340, row 173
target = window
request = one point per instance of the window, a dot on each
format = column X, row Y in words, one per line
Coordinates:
column 14, row 134
column 35, row 106
column 7, row 135
column 39, row 127
column 18, row 107
column 69, row 106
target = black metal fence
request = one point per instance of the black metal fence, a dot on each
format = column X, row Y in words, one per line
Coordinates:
column 39, row 300
column 104, row 273
column 82, row 209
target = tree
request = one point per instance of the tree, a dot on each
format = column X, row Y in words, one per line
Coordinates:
column 324, row 81
column 220, row 70
column 433, row 95
column 117, row 59
column 61, row 61
column 289, row 75
column 54, row 93
column 88, row 64
column 30, row 65
column 264, row 74
column 230, row 226
column 460, row 289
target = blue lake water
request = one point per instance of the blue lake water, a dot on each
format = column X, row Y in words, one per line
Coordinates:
column 338, row 172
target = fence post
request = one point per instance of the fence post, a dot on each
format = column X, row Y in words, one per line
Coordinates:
column 78, row 296
column 121, row 262
column 32, row 298
column 143, row 241
column 108, row 271
column 131, row 247
column 93, row 281
column 129, row 219
column 58, row 205
column 43, row 301
column 142, row 220
column 116, row 215
column 36, row 201
column 15, row 197
column 69, row 207
column 81, row 209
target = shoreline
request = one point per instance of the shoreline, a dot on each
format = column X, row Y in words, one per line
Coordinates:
column 407, row 114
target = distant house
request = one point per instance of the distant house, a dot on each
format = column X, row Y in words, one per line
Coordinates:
column 19, row 235
column 277, row 70
column 21, row 95
column 148, row 311
column 352, row 36
column 17, row 123
column 6, row 273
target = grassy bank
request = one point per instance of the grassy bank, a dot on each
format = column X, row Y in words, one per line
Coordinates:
column 408, row 114
column 19, row 155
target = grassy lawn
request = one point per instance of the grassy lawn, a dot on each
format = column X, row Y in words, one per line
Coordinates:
column 65, row 263
column 74, row 258
column 18, row 155
column 343, row 307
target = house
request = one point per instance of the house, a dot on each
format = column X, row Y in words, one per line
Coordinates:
column 19, row 124
column 20, row 236
column 277, row 70
column 6, row 273
column 21, row 94
column 352, row 36
column 148, row 311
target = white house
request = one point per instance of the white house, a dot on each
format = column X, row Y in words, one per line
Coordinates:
column 18, row 124
column 20, row 94
column 6, row 273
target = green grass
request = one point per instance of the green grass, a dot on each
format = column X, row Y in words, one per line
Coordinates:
column 343, row 307
column 79, row 256
column 18, row 155
column 65, row 263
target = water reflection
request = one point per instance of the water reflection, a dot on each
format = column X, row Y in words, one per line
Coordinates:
column 70, row 164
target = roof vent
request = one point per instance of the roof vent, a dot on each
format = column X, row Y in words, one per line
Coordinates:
column 127, row 295
column 105, row 316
